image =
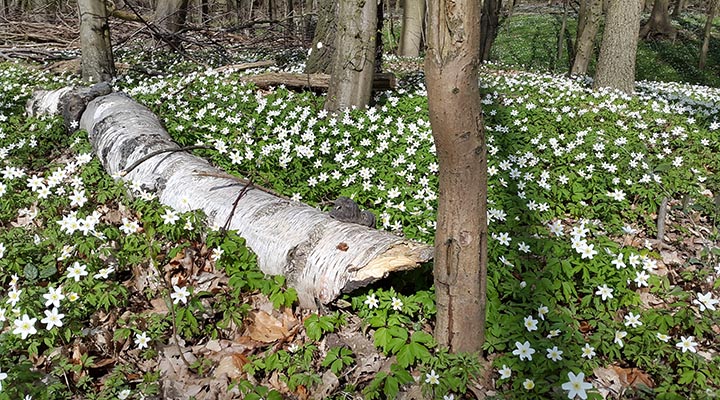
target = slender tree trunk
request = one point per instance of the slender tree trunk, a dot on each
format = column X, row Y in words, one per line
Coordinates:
column 290, row 14
column 659, row 23
column 379, row 19
column 561, row 34
column 679, row 8
column 412, row 28
column 323, row 43
column 489, row 22
column 712, row 7
column 510, row 11
column 204, row 11
column 616, row 63
column 354, row 55
column 588, row 23
column 97, row 57
column 451, row 70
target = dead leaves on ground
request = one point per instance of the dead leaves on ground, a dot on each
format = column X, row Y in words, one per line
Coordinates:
column 614, row 380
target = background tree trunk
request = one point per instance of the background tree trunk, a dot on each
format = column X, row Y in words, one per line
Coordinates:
column 561, row 35
column 509, row 12
column 489, row 22
column 379, row 20
column 588, row 23
column 170, row 15
column 97, row 57
column 616, row 63
column 679, row 8
column 321, row 55
column 712, row 7
column 411, row 36
column 354, row 55
column 451, row 70
column 659, row 23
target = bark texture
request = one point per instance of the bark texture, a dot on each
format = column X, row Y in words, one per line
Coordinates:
column 588, row 23
column 411, row 37
column 323, row 43
column 320, row 256
column 659, row 26
column 489, row 23
column 97, row 58
column 712, row 7
column 170, row 15
column 451, row 70
column 616, row 63
column 354, row 58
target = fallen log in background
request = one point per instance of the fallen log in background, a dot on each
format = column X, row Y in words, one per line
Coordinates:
column 317, row 82
column 320, row 256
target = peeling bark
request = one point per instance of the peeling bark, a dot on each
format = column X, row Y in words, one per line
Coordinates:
column 320, row 256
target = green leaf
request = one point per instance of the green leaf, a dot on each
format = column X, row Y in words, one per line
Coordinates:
column 31, row 272
column 687, row 377
column 405, row 356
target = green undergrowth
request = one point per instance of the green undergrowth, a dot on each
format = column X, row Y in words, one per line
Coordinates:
column 576, row 287
column 528, row 41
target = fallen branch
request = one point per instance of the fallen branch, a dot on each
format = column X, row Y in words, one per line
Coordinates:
column 318, row 82
column 321, row 257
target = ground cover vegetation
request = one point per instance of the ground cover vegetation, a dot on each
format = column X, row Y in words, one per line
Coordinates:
column 102, row 287
column 529, row 40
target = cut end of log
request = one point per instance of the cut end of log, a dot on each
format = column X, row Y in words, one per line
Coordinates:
column 400, row 257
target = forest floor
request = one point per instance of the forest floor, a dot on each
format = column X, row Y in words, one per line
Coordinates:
column 106, row 293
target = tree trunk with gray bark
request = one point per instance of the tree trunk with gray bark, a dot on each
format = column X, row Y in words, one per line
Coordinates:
column 659, row 25
column 323, row 43
column 353, row 62
column 678, row 9
column 411, row 37
column 588, row 23
column 616, row 63
column 97, row 58
column 489, row 23
column 712, row 7
column 170, row 15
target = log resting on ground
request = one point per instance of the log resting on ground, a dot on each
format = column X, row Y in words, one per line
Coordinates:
column 321, row 257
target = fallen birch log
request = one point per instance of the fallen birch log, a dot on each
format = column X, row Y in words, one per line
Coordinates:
column 321, row 257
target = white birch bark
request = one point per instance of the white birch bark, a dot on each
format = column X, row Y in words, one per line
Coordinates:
column 320, row 256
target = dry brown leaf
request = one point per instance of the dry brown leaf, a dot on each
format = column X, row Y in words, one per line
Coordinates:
column 328, row 385
column 159, row 305
column 649, row 300
column 614, row 380
column 266, row 328
column 671, row 258
column 229, row 367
